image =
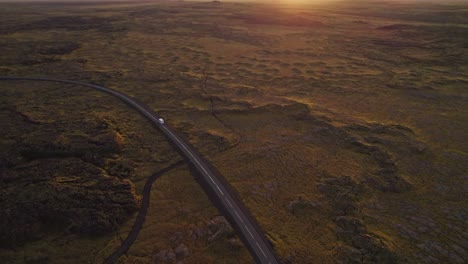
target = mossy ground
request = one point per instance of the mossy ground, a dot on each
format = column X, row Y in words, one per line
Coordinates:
column 342, row 127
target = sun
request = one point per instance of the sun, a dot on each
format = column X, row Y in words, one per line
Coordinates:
column 300, row 2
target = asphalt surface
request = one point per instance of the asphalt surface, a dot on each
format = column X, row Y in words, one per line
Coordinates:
column 235, row 211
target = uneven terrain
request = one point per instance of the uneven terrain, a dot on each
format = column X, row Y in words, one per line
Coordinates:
column 343, row 127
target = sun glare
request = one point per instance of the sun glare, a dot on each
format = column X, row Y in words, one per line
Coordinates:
column 301, row 2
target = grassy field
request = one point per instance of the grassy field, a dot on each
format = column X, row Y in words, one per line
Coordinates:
column 342, row 126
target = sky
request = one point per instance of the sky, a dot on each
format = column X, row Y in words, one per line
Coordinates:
column 265, row 1
column 197, row 0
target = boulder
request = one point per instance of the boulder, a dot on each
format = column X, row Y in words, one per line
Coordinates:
column 182, row 251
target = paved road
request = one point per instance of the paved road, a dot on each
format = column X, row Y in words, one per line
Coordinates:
column 223, row 194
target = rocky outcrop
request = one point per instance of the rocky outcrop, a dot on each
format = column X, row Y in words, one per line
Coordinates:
column 364, row 247
column 164, row 256
column 385, row 144
column 68, row 193
column 219, row 226
column 300, row 204
column 215, row 230
column 71, row 181
column 180, row 252
column 341, row 192
column 357, row 245
column 235, row 244
column 386, row 178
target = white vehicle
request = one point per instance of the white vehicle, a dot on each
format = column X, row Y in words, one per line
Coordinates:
column 161, row 121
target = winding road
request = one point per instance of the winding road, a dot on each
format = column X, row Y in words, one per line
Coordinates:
column 217, row 187
column 140, row 219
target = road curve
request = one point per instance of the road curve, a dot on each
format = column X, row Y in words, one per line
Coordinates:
column 223, row 194
column 140, row 219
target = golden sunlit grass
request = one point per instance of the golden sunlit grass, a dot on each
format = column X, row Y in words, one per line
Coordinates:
column 342, row 127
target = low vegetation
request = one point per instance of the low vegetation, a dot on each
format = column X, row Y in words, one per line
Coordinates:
column 341, row 126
